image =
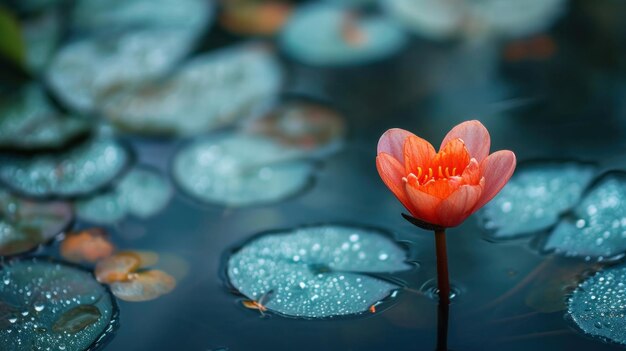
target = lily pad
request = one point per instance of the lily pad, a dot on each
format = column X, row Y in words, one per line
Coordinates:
column 597, row 227
column 324, row 34
column 89, row 245
column 142, row 193
column 317, row 272
column 24, row 225
column 78, row 171
column 598, row 305
column 29, row 123
column 238, row 170
column 85, row 69
column 51, row 306
column 208, row 92
column 535, row 197
column 41, row 34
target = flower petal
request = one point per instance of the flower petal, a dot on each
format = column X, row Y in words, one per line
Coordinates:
column 454, row 155
column 423, row 205
column 459, row 205
column 496, row 170
column 391, row 172
column 417, row 153
column 474, row 135
column 392, row 143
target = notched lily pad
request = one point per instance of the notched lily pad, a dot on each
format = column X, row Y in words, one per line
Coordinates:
column 89, row 245
column 208, row 92
column 324, row 34
column 535, row 197
column 238, row 170
column 142, row 192
column 597, row 228
column 28, row 122
column 53, row 306
column 598, row 305
column 78, row 171
column 317, row 272
column 24, row 225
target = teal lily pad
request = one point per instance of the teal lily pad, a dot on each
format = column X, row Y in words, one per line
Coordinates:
column 142, row 193
column 24, row 224
column 47, row 305
column 535, row 197
column 28, row 122
column 327, row 35
column 78, row 171
column 597, row 227
column 317, row 272
column 598, row 305
column 235, row 169
column 211, row 91
column 42, row 34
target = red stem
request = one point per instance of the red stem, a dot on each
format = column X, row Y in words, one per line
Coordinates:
column 443, row 282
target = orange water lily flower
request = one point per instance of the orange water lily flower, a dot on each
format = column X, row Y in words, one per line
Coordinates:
column 443, row 188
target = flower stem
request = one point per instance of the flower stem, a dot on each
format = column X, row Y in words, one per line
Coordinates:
column 443, row 282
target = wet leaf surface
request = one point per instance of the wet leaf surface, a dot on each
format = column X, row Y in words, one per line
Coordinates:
column 89, row 245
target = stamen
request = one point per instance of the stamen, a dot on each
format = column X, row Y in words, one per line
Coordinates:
column 454, row 171
column 430, row 172
column 447, row 172
column 419, row 172
column 440, row 173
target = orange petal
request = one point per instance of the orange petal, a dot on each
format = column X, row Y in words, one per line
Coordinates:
column 453, row 155
column 474, row 135
column 423, row 205
column 417, row 153
column 392, row 143
column 458, row 206
column 496, row 169
column 440, row 188
column 471, row 174
column 391, row 172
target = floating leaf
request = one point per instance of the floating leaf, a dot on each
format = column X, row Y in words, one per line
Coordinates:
column 84, row 70
column 305, row 125
column 239, row 170
column 142, row 192
column 81, row 170
column 316, row 272
column 24, row 225
column 598, row 305
column 323, row 34
column 118, row 267
column 11, row 43
column 54, row 307
column 597, row 227
column 41, row 34
column 210, row 91
column 29, row 123
column 535, row 197
column 254, row 17
column 89, row 245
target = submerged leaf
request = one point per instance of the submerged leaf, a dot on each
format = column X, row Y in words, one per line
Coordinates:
column 144, row 286
column 239, row 170
column 597, row 228
column 80, row 170
column 317, row 272
column 254, row 17
column 55, row 307
column 24, row 225
column 117, row 267
column 535, row 197
column 89, row 245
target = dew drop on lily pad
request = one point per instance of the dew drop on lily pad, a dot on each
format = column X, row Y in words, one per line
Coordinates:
column 28, row 122
column 142, row 192
column 598, row 305
column 52, row 306
column 24, row 224
column 80, row 170
column 237, row 170
column 319, row 271
column 325, row 34
column 210, row 91
column 597, row 227
column 535, row 197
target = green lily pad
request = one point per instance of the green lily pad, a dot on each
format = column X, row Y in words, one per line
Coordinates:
column 535, row 197
column 24, row 225
column 211, row 91
column 78, row 171
column 29, row 123
column 142, row 192
column 597, row 228
column 319, row 271
column 238, row 170
column 597, row 306
column 52, row 306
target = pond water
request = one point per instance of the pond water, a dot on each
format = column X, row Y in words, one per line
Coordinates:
column 563, row 116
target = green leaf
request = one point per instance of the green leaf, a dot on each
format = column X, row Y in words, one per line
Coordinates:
column 11, row 41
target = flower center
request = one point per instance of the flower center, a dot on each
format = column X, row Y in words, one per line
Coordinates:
column 425, row 175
